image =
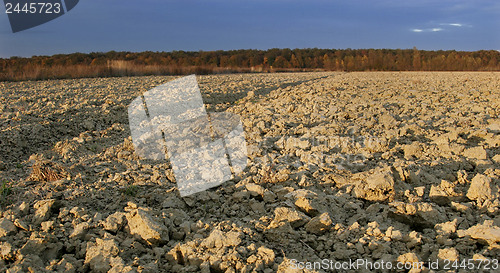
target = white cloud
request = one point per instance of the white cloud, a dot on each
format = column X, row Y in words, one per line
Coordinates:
column 452, row 24
column 436, row 29
column 445, row 27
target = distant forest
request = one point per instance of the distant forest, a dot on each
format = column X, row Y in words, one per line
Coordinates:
column 98, row 64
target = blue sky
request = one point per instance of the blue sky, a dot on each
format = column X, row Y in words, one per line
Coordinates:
column 163, row 25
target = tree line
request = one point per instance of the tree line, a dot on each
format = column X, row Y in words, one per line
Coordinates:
column 100, row 64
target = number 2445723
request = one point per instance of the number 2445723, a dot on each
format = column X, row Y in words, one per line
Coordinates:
column 33, row 8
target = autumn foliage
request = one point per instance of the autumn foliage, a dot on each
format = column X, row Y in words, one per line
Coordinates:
column 113, row 63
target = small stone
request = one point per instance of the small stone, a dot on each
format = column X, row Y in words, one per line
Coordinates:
column 496, row 158
column 420, row 191
column 254, row 189
column 47, row 225
column 394, row 234
column 269, row 196
column 68, row 264
column 43, row 210
column 143, row 225
column 412, row 150
column 23, row 208
column 486, row 233
column 219, row 239
column 189, row 200
column 378, row 186
column 295, row 218
column 443, row 194
column 478, row 153
column 408, row 258
column 283, row 192
column 460, row 207
column 306, row 206
column 495, row 127
column 63, row 213
column 6, row 252
column 425, row 214
column 438, row 195
column 266, row 255
column 47, row 248
column 7, row 228
column 99, row 255
column 481, row 188
column 33, row 246
column 478, row 256
column 294, row 143
column 77, row 212
column 413, row 239
column 447, row 227
column 131, row 205
column 114, row 222
column 450, row 254
column 319, row 224
column 80, row 230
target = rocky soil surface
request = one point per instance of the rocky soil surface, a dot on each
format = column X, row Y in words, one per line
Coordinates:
column 399, row 167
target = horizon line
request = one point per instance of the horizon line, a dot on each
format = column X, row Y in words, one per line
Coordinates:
column 228, row 50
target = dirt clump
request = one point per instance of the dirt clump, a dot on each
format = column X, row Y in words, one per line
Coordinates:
column 392, row 166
